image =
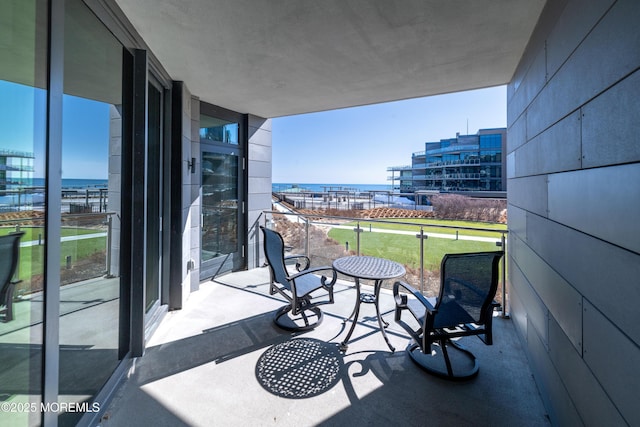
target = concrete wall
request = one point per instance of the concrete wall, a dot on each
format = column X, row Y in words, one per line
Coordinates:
column 259, row 159
column 574, row 209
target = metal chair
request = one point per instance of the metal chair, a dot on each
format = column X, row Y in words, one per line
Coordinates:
column 464, row 306
column 9, row 255
column 302, row 313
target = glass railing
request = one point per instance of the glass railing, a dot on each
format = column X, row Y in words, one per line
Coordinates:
column 419, row 244
column 85, row 251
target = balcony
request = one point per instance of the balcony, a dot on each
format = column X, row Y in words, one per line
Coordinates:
column 205, row 362
column 202, row 367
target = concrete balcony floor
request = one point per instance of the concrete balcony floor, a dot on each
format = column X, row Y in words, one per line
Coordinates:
column 206, row 365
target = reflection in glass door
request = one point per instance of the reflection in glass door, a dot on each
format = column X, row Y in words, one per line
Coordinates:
column 23, row 119
column 222, row 203
column 93, row 115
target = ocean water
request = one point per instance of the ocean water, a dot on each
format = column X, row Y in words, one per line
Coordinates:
column 67, row 183
column 32, row 190
column 279, row 186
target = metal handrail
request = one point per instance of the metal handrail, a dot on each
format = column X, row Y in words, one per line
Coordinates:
column 307, row 219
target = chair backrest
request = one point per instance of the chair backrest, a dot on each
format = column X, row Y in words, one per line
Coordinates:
column 9, row 250
column 274, row 251
column 468, row 284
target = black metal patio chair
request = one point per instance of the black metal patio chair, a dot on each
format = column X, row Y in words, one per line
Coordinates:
column 464, row 306
column 302, row 313
column 9, row 255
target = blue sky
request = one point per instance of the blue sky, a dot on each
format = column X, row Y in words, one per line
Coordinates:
column 346, row 146
column 356, row 145
column 85, row 130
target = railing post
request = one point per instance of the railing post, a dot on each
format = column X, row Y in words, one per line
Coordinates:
column 109, row 237
column 503, row 243
column 307, row 243
column 358, row 230
column 422, row 238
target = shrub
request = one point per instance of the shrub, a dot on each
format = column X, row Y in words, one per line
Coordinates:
column 458, row 207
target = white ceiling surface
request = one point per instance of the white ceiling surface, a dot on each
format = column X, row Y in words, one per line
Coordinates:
column 281, row 57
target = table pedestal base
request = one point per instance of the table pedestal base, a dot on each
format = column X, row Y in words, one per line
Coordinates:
column 367, row 299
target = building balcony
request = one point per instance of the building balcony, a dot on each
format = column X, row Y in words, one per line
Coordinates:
column 16, row 168
column 203, row 366
column 399, row 168
column 206, row 360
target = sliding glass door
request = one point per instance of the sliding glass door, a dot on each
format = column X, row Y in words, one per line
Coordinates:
column 92, row 145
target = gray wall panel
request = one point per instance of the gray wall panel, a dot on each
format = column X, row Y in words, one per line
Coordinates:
column 517, row 223
column 260, row 168
column 608, row 53
column 533, row 81
column 562, row 139
column 259, row 151
column 615, row 361
column 577, row 19
column 562, row 300
column 529, row 193
column 518, row 309
column 601, row 272
column 586, row 393
column 581, row 239
column 259, row 136
column 537, row 314
column 517, row 133
column 608, row 136
column 562, row 411
column 260, row 185
column 259, row 174
column 584, row 200
column 511, row 165
column 259, row 202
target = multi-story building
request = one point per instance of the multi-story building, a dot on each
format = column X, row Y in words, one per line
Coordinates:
column 14, row 167
column 464, row 163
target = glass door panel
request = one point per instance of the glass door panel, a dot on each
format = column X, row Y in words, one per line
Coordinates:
column 222, row 145
column 219, row 205
column 92, row 137
column 23, row 118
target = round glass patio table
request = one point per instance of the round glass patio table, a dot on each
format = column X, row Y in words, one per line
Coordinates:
column 369, row 268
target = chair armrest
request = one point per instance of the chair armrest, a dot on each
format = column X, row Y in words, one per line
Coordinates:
column 401, row 299
column 307, row 261
column 323, row 278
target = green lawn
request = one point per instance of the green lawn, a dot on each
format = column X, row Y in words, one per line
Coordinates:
column 405, row 249
column 31, row 257
column 32, row 233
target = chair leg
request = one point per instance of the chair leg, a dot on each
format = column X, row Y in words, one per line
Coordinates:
column 445, row 353
column 285, row 320
column 8, row 310
column 438, row 362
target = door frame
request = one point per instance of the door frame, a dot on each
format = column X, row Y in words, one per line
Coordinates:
column 153, row 313
column 218, row 266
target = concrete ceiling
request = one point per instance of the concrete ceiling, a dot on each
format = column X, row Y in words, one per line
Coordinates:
column 282, row 57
